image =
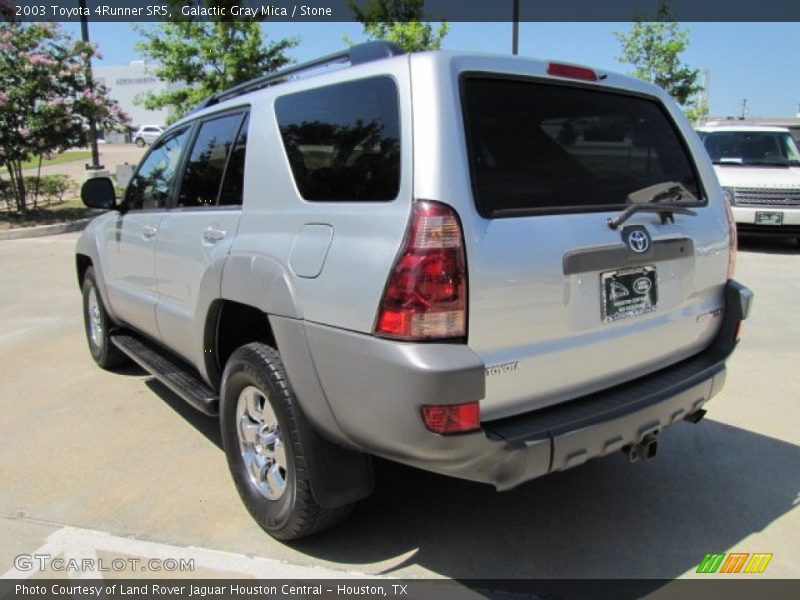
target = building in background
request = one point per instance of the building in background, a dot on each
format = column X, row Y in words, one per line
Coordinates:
column 126, row 84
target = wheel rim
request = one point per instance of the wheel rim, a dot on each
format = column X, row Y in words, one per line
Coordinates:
column 261, row 444
column 95, row 319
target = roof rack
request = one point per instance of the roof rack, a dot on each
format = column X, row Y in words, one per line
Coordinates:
column 355, row 55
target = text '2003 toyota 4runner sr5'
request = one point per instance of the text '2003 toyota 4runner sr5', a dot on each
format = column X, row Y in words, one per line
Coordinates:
column 488, row 267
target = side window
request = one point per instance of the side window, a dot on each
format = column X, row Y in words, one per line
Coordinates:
column 233, row 185
column 151, row 185
column 206, row 165
column 343, row 140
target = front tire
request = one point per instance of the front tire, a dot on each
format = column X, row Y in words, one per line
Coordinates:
column 266, row 440
column 139, row 142
column 98, row 325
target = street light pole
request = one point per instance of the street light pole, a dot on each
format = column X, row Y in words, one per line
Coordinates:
column 92, row 125
column 515, row 29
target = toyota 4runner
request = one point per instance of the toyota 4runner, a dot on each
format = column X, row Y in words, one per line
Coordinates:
column 488, row 267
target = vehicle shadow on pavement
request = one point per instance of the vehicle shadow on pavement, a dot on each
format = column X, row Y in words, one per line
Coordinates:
column 208, row 426
column 711, row 486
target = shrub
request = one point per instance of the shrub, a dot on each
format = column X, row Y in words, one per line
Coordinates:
column 51, row 187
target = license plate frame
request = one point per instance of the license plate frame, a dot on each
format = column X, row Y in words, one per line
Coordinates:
column 628, row 292
column 769, row 217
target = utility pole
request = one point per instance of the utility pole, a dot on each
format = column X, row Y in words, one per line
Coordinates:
column 95, row 166
column 744, row 109
column 705, row 105
column 515, row 29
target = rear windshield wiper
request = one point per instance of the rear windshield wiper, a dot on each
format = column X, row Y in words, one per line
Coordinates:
column 661, row 198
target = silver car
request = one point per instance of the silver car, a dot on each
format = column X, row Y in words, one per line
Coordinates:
column 488, row 267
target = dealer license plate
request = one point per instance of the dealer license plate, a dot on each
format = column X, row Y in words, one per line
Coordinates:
column 628, row 292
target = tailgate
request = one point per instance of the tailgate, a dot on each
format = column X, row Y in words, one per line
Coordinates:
column 561, row 305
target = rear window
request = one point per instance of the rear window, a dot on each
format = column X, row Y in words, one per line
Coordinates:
column 343, row 140
column 544, row 148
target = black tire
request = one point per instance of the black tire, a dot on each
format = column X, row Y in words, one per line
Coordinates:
column 97, row 325
column 286, row 513
column 139, row 142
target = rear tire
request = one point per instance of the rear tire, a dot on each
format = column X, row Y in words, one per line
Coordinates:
column 266, row 441
column 98, row 325
column 139, row 142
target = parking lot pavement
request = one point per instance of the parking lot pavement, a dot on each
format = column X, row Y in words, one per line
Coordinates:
column 101, row 457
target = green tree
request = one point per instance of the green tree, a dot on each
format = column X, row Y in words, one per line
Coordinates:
column 399, row 21
column 47, row 99
column 697, row 110
column 654, row 49
column 200, row 58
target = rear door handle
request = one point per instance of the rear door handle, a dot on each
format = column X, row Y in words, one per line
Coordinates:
column 149, row 232
column 212, row 235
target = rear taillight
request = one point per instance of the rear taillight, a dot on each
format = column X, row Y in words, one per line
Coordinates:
column 732, row 240
column 426, row 294
column 452, row 418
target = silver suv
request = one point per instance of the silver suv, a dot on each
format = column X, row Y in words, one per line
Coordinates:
column 488, row 267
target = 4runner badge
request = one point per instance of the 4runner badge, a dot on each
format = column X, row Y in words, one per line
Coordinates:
column 502, row 369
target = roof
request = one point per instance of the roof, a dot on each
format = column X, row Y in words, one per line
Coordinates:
column 743, row 127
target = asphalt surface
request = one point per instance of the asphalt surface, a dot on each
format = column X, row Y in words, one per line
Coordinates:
column 112, row 464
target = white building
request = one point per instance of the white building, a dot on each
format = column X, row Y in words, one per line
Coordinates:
column 126, row 83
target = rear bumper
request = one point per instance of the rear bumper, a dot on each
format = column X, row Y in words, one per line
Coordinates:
column 375, row 389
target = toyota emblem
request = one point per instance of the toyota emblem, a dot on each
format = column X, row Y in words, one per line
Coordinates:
column 637, row 239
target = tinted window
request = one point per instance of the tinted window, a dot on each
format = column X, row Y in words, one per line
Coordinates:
column 343, row 141
column 751, row 148
column 233, row 185
column 552, row 148
column 150, row 187
column 206, row 165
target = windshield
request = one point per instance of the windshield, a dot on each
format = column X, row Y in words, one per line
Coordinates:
column 759, row 148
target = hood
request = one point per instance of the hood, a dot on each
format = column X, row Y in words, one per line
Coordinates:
column 758, row 177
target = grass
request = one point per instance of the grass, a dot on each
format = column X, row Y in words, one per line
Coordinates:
column 70, row 210
column 68, row 156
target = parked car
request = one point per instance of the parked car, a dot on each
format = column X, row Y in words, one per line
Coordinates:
column 147, row 134
column 759, row 170
column 484, row 266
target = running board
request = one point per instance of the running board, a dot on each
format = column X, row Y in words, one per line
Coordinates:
column 170, row 373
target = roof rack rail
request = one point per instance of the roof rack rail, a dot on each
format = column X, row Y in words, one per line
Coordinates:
column 355, row 55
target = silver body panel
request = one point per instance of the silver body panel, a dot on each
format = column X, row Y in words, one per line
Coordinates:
column 522, row 307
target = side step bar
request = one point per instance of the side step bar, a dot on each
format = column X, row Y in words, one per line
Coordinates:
column 170, row 373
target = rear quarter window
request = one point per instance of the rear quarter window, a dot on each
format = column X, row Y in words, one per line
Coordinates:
column 547, row 148
column 343, row 141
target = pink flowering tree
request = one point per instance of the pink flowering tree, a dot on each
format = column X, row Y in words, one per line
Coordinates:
column 46, row 100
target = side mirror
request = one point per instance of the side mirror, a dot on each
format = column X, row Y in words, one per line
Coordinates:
column 98, row 192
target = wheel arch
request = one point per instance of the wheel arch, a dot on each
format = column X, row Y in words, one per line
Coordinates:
column 82, row 264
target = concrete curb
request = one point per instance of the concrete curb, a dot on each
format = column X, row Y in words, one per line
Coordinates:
column 43, row 230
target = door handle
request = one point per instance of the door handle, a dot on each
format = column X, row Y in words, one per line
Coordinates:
column 212, row 235
column 149, row 232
